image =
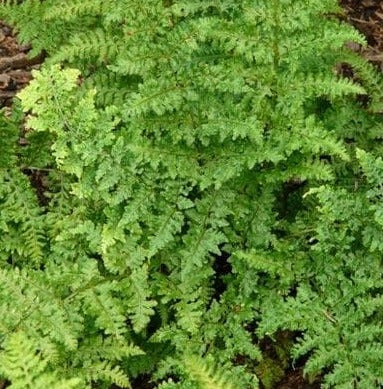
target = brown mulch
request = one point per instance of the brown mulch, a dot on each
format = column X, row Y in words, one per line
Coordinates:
column 295, row 380
column 367, row 17
column 15, row 65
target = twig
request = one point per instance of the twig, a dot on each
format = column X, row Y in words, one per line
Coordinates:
column 329, row 317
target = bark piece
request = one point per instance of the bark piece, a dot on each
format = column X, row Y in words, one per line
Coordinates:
column 18, row 61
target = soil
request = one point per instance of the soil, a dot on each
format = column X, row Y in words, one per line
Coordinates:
column 15, row 65
column 15, row 73
column 367, row 17
column 294, row 380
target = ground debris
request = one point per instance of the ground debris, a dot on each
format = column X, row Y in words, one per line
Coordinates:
column 367, row 17
column 15, row 65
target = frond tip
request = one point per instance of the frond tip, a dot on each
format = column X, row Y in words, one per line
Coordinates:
column 206, row 375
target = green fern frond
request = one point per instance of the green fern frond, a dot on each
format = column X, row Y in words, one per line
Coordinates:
column 96, row 45
column 207, row 376
column 106, row 372
column 26, row 368
column 67, row 11
column 23, row 230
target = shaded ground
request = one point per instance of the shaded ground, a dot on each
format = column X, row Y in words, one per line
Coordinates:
column 367, row 17
column 15, row 66
column 294, row 380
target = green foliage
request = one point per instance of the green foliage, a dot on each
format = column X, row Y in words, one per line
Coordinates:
column 209, row 179
column 27, row 369
column 206, row 376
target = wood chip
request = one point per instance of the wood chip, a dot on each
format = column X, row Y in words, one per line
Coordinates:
column 18, row 61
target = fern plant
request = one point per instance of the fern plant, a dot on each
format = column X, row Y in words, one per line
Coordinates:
column 203, row 190
column 21, row 363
